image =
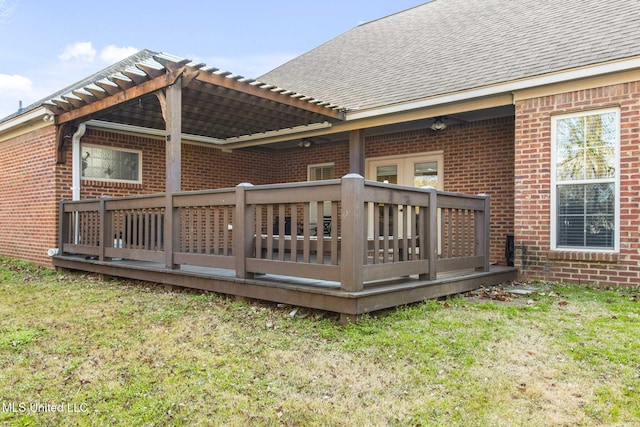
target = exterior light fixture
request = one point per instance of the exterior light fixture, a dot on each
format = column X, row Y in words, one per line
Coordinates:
column 438, row 124
column 304, row 143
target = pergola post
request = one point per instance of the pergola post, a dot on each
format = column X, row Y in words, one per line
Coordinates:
column 356, row 152
column 173, row 118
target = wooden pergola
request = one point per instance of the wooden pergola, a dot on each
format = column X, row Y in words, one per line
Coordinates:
column 188, row 100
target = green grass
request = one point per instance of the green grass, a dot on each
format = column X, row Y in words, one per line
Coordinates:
column 125, row 353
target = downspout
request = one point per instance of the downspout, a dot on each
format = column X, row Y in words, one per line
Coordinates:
column 76, row 162
column 76, row 172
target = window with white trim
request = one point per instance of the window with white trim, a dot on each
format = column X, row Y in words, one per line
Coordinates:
column 321, row 172
column 585, row 181
column 111, row 164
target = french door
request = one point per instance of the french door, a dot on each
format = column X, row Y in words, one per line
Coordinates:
column 418, row 170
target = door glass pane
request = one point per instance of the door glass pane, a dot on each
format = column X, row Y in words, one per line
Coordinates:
column 388, row 174
column 425, row 174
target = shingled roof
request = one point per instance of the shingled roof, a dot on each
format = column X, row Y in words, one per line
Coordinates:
column 446, row 46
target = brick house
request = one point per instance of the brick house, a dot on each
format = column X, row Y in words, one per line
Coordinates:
column 534, row 103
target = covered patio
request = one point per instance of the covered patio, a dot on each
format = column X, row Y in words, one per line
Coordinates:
column 349, row 245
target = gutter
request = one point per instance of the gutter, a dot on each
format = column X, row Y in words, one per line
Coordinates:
column 35, row 114
column 159, row 133
column 76, row 162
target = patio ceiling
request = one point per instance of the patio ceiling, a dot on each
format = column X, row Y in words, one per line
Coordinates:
column 221, row 107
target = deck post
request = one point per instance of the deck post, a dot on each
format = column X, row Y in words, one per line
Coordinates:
column 483, row 232
column 354, row 237
column 431, row 239
column 243, row 231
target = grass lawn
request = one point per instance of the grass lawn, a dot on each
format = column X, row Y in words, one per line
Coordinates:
column 75, row 350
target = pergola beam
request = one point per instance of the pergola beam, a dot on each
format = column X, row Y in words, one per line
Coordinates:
column 119, row 98
column 265, row 93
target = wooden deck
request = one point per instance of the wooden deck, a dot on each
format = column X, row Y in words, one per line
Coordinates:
column 316, row 294
column 349, row 246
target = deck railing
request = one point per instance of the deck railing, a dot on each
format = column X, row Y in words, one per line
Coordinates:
column 349, row 231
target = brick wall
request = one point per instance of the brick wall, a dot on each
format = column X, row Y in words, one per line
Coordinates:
column 296, row 160
column 205, row 167
column 28, row 201
column 478, row 158
column 202, row 167
column 532, row 189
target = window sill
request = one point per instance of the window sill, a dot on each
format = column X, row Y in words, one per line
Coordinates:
column 604, row 257
column 110, row 184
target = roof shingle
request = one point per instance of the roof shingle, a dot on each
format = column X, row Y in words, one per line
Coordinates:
column 447, row 46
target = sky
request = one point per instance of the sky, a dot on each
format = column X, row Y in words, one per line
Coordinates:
column 46, row 46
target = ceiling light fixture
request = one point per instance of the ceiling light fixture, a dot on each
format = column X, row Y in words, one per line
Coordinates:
column 438, row 124
column 304, row 143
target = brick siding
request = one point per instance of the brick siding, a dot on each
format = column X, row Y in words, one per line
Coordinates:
column 533, row 189
column 478, row 158
column 28, row 200
column 205, row 167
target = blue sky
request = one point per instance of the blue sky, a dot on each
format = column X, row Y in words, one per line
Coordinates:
column 45, row 45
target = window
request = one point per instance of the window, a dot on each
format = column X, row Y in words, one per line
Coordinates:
column 111, row 164
column 321, row 172
column 585, row 181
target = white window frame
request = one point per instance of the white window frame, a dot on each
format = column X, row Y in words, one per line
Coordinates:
column 126, row 150
column 555, row 183
column 319, row 165
column 327, row 206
